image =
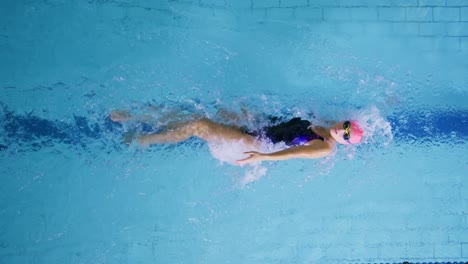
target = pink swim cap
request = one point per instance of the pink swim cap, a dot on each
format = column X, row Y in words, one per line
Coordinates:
column 356, row 134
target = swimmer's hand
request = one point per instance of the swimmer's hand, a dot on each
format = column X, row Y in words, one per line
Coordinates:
column 254, row 156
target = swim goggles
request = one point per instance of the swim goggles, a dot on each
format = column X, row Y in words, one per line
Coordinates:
column 346, row 127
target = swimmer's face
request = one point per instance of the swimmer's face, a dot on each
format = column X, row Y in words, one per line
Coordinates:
column 340, row 131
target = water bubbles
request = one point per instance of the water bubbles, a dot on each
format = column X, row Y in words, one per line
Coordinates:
column 377, row 130
column 252, row 174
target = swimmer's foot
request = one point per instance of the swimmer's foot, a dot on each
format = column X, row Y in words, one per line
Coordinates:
column 120, row 116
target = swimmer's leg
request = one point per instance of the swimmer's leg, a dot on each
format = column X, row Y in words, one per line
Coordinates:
column 167, row 117
column 204, row 129
column 120, row 116
column 125, row 116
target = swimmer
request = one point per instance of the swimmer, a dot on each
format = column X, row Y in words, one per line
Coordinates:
column 303, row 140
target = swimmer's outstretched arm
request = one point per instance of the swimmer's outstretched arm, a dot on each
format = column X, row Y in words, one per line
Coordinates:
column 315, row 150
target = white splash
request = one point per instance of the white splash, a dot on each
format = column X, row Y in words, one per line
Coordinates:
column 252, row 174
column 232, row 151
column 376, row 128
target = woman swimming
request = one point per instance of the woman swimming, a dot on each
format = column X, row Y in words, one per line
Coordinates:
column 302, row 140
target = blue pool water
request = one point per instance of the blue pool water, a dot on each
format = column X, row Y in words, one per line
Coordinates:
column 71, row 192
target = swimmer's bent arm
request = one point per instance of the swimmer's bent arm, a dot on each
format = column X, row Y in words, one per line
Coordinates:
column 312, row 151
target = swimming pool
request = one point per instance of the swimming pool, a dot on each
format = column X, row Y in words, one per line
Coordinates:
column 72, row 193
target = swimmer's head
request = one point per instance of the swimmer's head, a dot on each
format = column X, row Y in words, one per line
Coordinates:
column 347, row 132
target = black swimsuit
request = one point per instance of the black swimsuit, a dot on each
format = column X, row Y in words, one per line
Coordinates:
column 293, row 132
